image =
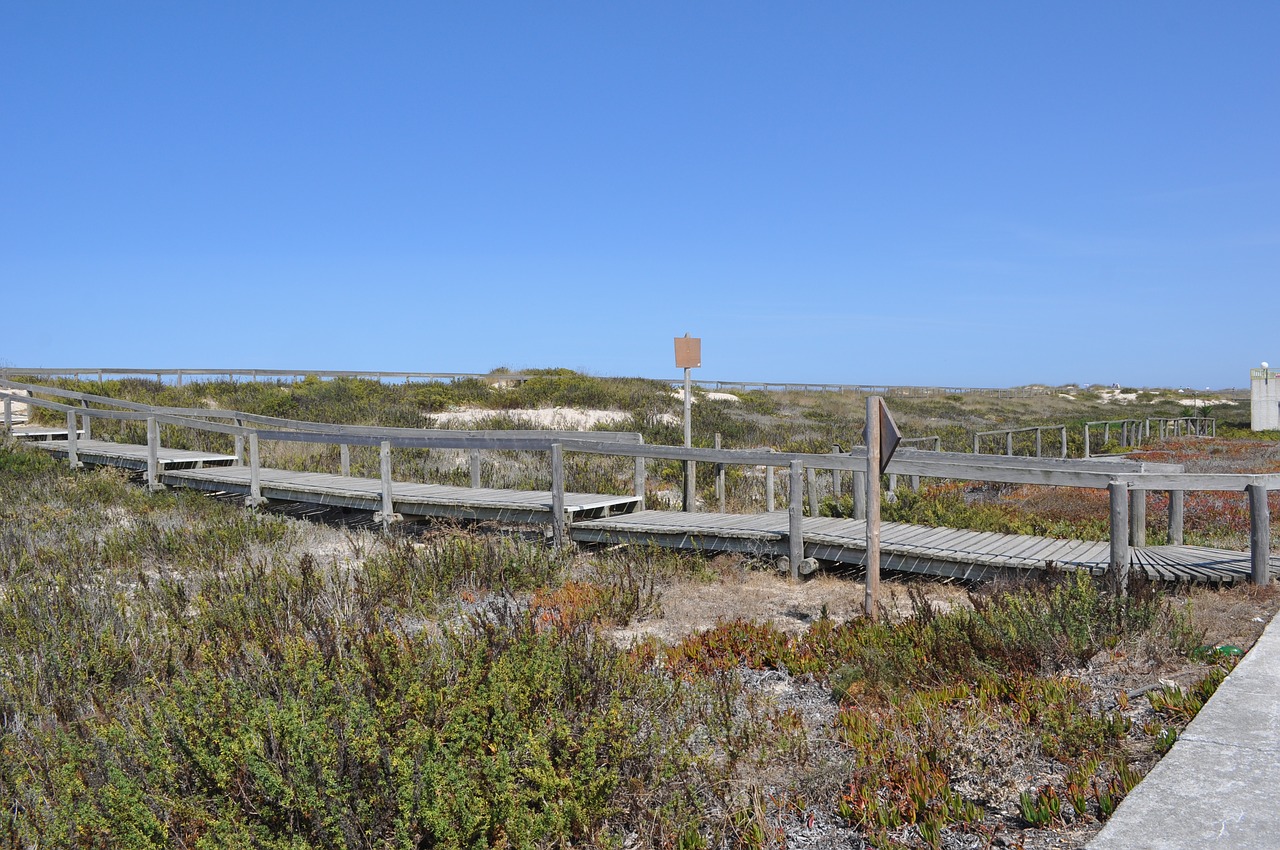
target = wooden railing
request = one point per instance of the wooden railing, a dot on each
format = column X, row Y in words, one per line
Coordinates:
column 1007, row 435
column 1125, row 480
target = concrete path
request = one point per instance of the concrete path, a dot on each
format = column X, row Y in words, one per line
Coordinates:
column 1219, row 787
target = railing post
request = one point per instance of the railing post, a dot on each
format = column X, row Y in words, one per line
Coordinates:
column 1137, row 517
column 795, row 524
column 720, row 497
column 84, row 421
column 475, row 469
column 768, row 488
column 835, row 477
column 8, row 414
column 153, row 454
column 388, row 513
column 255, row 472
column 557, row 495
column 1175, row 517
column 1038, row 430
column 72, row 458
column 1008, row 443
column 859, row 495
column 690, row 486
column 1064, row 440
column 1259, row 534
column 1118, row 491
column 1086, row 439
column 975, row 444
column 239, row 448
column 641, row 475
column 811, row 486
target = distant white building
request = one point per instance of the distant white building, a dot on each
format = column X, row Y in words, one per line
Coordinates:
column 1265, row 397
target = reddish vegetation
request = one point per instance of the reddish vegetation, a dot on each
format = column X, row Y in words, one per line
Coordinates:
column 1209, row 515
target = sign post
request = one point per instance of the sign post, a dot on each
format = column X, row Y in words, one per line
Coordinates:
column 882, row 437
column 688, row 357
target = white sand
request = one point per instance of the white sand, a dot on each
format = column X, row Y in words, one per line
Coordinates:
column 554, row 418
column 709, row 396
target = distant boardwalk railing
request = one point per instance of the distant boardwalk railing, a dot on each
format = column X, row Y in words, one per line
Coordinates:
column 177, row 376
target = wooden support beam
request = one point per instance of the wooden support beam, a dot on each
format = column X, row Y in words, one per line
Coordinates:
column 388, row 512
column 720, row 496
column 475, row 469
column 344, row 460
column 641, row 484
column 835, row 478
column 859, row 495
column 690, row 501
column 84, row 421
column 1118, row 492
column 811, row 486
column 1138, row 517
column 559, row 528
column 72, row 459
column 1176, row 501
column 153, row 454
column 1259, row 534
column 255, row 473
column 795, row 524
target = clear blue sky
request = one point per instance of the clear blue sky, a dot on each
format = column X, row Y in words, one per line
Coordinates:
column 981, row 194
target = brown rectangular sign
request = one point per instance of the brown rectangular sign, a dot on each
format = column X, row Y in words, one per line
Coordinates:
column 688, row 352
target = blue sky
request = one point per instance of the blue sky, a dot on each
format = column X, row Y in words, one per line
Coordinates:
column 980, row 194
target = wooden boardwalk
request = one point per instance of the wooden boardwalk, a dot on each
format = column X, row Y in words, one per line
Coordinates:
column 39, row 433
column 409, row 499
column 595, row 518
column 948, row 552
column 130, row 456
column 218, row 473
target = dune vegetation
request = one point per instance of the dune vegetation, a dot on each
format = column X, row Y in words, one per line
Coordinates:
column 178, row 671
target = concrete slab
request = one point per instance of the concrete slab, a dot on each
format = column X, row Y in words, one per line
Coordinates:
column 1219, row 787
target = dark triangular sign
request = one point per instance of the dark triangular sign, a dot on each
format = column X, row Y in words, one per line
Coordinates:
column 890, row 436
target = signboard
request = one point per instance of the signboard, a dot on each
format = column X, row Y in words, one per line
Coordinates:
column 890, row 436
column 688, row 352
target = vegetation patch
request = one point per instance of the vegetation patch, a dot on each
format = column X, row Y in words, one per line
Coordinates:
column 176, row 671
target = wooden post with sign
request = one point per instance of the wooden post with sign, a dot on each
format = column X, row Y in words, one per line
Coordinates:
column 882, row 437
column 689, row 356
